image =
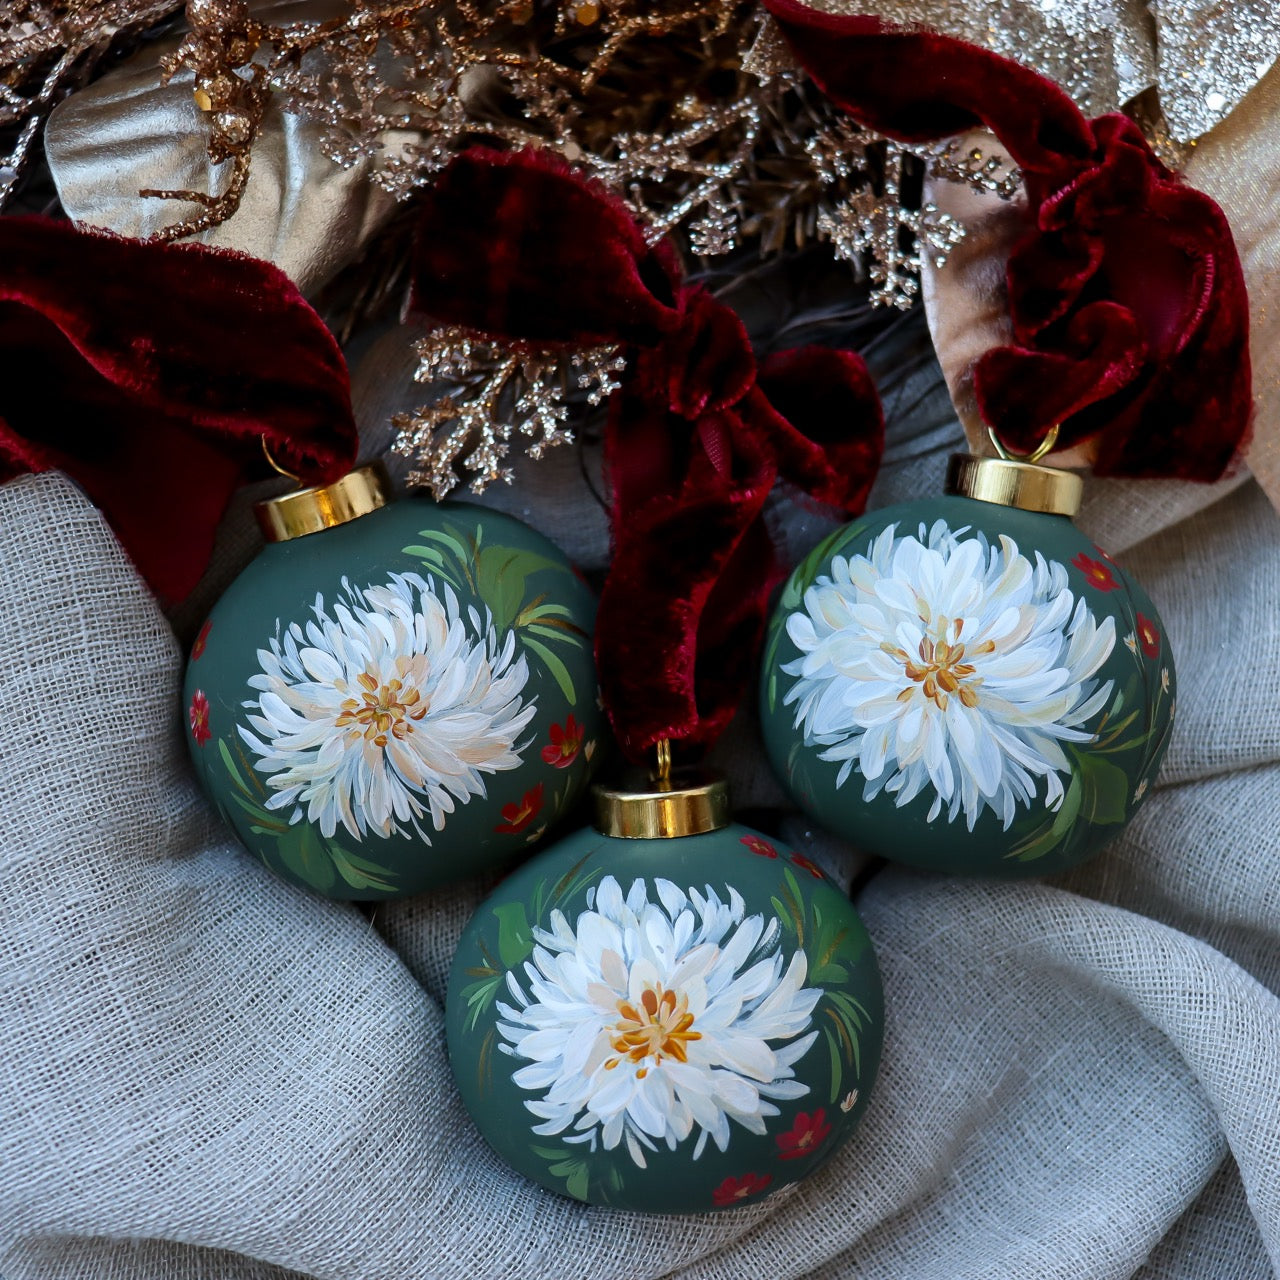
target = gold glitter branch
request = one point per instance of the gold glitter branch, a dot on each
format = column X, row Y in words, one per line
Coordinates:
column 493, row 394
column 48, row 48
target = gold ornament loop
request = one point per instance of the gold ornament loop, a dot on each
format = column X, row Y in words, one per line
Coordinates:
column 664, row 760
column 1043, row 449
column 275, row 466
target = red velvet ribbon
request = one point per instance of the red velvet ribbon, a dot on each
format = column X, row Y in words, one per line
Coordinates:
column 520, row 248
column 151, row 373
column 1128, row 305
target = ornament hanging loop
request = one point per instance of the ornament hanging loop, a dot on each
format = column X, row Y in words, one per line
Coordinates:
column 275, row 466
column 1017, row 480
column 1042, row 450
column 663, row 748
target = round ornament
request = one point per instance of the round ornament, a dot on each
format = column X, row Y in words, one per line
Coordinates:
column 393, row 696
column 968, row 684
column 673, row 1024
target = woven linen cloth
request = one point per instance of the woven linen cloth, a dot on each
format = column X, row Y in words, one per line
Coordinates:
column 205, row 1072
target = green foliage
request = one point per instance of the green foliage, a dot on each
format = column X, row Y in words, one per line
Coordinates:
column 298, row 848
column 499, row 576
column 828, row 950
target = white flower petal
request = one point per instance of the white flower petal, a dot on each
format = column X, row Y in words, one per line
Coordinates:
column 939, row 663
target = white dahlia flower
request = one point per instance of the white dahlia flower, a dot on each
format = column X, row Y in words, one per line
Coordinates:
column 942, row 664
column 393, row 707
column 644, row 1020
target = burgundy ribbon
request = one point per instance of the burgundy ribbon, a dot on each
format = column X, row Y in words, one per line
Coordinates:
column 151, row 373
column 519, row 248
column 1128, row 305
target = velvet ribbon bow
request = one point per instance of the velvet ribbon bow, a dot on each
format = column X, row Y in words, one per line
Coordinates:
column 1127, row 301
column 517, row 247
column 151, row 374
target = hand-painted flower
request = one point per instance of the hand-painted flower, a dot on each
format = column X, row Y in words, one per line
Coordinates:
column 808, row 1133
column 515, row 817
column 198, row 715
column 939, row 663
column 807, row 864
column 394, row 707
column 565, row 744
column 735, row 1190
column 197, row 649
column 645, row 1020
column 1148, row 636
column 1097, row 573
column 759, row 845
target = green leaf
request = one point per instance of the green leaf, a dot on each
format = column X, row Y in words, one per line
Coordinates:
column 515, row 937
column 299, row 851
column 577, row 1185
column 784, row 915
column 359, row 873
column 837, row 1067
column 553, row 664
column 479, row 996
column 1104, row 797
column 828, row 973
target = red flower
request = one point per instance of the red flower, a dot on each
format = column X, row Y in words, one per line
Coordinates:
column 1096, row 573
column 515, row 817
column 757, row 844
column 804, row 1136
column 565, row 744
column 734, row 1190
column 198, row 714
column 808, row 864
column 1148, row 637
column 198, row 648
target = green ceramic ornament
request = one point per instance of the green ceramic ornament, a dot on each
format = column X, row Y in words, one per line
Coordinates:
column 667, row 1025
column 393, row 697
column 966, row 685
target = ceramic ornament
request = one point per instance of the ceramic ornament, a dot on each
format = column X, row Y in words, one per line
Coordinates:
column 667, row 1014
column 393, row 696
column 968, row 683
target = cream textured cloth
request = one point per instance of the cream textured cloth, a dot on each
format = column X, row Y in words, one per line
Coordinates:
column 207, row 1073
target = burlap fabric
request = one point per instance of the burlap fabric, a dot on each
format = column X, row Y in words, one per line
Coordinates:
column 206, row 1073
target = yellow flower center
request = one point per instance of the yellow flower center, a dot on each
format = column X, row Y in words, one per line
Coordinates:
column 382, row 710
column 940, row 667
column 657, row 1026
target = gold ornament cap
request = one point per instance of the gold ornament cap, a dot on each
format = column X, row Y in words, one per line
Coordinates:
column 1011, row 483
column 663, row 806
column 294, row 515
column 1015, row 480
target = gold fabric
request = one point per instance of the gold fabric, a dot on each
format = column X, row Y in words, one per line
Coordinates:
column 128, row 131
column 1202, row 55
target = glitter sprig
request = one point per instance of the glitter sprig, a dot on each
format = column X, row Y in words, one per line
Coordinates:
column 492, row 394
column 48, row 48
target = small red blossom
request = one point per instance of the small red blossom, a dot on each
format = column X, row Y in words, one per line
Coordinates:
column 565, row 744
column 805, row 1136
column 1148, row 636
column 198, row 714
column 1097, row 574
column 758, row 844
column 735, row 1190
column 808, row 865
column 198, row 648
column 515, row 817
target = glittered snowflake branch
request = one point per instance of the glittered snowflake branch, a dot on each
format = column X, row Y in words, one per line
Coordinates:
column 47, row 49
column 494, row 394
